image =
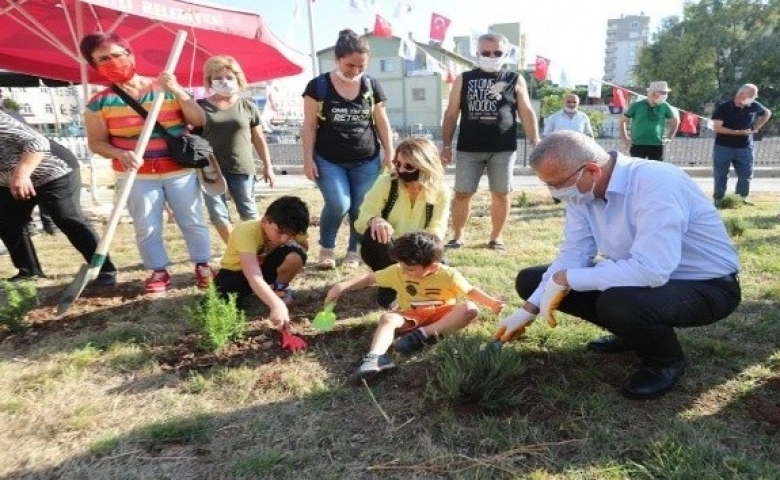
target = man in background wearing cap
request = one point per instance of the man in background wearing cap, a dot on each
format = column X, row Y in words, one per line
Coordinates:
column 648, row 123
column 735, row 121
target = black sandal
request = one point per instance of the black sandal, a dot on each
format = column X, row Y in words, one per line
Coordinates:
column 455, row 243
column 496, row 245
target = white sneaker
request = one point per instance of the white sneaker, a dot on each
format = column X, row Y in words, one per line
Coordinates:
column 327, row 260
column 351, row 260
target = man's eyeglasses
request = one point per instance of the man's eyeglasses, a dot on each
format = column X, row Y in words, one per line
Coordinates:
column 496, row 54
column 565, row 180
column 405, row 166
column 107, row 58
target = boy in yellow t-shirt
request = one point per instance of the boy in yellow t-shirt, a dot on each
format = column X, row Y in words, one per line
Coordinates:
column 428, row 293
column 263, row 256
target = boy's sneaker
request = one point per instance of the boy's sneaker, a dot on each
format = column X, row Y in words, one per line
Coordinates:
column 158, row 282
column 412, row 342
column 372, row 365
column 204, row 275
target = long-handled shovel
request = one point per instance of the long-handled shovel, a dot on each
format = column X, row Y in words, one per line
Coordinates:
column 89, row 272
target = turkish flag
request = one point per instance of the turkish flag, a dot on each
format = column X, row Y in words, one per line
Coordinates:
column 382, row 28
column 619, row 97
column 689, row 123
column 439, row 26
column 541, row 68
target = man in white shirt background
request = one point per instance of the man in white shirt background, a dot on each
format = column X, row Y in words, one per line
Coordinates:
column 568, row 118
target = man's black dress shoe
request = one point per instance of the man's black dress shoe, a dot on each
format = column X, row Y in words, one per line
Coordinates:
column 608, row 344
column 650, row 382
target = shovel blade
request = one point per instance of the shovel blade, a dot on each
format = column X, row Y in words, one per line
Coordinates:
column 85, row 275
column 325, row 320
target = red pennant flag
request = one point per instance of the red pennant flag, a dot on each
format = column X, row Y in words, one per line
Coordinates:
column 619, row 97
column 439, row 26
column 541, row 68
column 382, row 28
column 689, row 123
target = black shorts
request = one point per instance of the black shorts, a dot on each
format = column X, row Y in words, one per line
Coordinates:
column 232, row 281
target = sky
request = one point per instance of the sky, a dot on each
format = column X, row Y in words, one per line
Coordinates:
column 571, row 33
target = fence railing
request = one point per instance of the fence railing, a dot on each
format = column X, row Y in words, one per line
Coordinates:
column 682, row 151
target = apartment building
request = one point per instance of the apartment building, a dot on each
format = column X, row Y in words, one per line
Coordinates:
column 625, row 37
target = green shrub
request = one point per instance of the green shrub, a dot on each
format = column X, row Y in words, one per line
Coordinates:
column 736, row 226
column 16, row 299
column 471, row 371
column 218, row 321
column 522, row 200
column 730, row 201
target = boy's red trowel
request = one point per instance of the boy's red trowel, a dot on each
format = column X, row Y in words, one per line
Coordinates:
column 325, row 319
column 291, row 342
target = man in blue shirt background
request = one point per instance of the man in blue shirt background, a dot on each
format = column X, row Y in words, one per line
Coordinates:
column 735, row 121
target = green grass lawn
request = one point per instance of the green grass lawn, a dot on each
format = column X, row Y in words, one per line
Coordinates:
column 119, row 388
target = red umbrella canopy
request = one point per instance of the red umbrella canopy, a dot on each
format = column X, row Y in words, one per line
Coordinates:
column 41, row 37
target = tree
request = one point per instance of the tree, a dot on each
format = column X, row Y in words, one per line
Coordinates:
column 717, row 46
column 11, row 104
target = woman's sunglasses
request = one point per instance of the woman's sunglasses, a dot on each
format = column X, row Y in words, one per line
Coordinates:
column 405, row 166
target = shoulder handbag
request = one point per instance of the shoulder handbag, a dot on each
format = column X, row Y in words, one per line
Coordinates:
column 191, row 151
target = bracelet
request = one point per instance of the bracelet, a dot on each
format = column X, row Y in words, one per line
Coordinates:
column 446, row 147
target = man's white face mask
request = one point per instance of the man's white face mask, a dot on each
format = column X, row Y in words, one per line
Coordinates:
column 491, row 64
column 572, row 194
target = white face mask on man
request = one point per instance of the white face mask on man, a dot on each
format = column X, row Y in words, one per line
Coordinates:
column 572, row 195
column 491, row 64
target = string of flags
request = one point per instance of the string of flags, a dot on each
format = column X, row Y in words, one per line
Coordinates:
column 689, row 121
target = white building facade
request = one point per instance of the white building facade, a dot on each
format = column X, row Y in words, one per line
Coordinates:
column 625, row 37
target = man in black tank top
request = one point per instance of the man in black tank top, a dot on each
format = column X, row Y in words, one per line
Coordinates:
column 488, row 101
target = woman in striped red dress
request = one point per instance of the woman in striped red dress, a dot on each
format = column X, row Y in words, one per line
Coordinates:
column 113, row 128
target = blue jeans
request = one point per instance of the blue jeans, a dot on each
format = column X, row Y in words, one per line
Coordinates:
column 343, row 188
column 242, row 190
column 722, row 159
column 145, row 205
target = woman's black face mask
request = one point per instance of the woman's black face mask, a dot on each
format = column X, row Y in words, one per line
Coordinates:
column 409, row 177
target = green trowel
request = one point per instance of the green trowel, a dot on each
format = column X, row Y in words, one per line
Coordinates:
column 325, row 319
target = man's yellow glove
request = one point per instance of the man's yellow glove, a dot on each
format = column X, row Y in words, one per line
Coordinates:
column 513, row 326
column 551, row 299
